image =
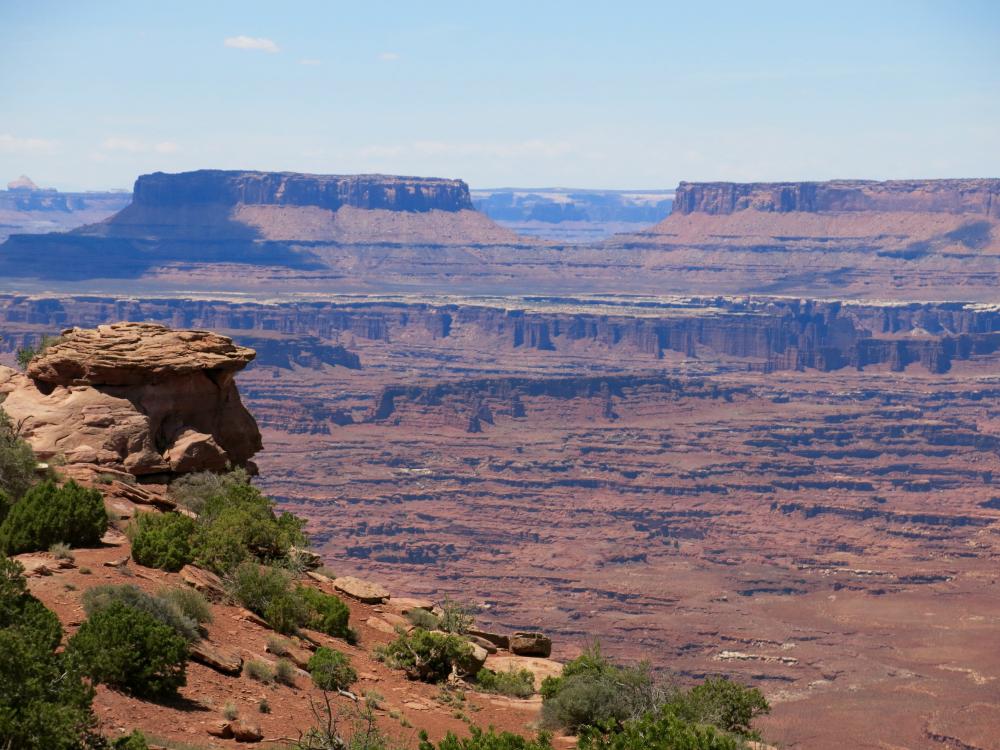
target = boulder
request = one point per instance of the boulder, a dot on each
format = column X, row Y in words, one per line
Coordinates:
column 498, row 640
column 309, row 559
column 490, row 647
column 204, row 582
column 377, row 623
column 218, row 658
column 474, row 659
column 531, row 644
column 404, row 604
column 135, row 397
column 246, row 731
column 365, row 592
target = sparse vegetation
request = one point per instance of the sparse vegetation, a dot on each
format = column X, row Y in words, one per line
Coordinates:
column 17, row 463
column 421, row 618
column 230, row 712
column 192, row 491
column 278, row 646
column 592, row 691
column 487, row 740
column 515, row 683
column 613, row 707
column 192, row 604
column 27, row 353
column 331, row 670
column 285, row 672
column 456, row 617
column 264, row 706
column 49, row 514
column 162, row 540
column 61, row 551
column 329, row 732
column 662, row 731
column 165, row 611
column 259, row 670
column 425, row 655
column 131, row 650
column 134, row 741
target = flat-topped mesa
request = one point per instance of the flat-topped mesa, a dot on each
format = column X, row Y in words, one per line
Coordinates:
column 332, row 192
column 138, row 397
column 239, row 208
column 971, row 196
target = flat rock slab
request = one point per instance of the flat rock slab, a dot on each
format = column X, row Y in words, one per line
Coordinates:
column 365, row 592
column 540, row 668
column 204, row 582
column 218, row 658
column 531, row 644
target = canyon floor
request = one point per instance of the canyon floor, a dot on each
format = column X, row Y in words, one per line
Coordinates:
column 666, row 477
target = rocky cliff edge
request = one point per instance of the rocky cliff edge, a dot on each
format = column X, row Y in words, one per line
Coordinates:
column 136, row 397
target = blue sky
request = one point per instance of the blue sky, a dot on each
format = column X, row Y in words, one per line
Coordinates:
column 584, row 94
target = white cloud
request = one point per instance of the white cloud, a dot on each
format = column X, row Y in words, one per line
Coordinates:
column 10, row 144
column 309, row 61
column 257, row 43
column 115, row 144
column 388, row 57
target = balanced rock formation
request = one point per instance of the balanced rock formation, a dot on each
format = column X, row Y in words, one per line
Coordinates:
column 135, row 396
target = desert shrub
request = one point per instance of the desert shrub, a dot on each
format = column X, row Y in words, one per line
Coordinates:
column 192, row 604
column 48, row 514
column 27, row 353
column 134, row 741
column 259, row 670
column 661, row 731
column 162, row 540
column 727, row 705
column 456, row 617
column 61, row 551
column 100, row 598
column 131, row 650
column 278, row 646
column 17, row 463
column 229, row 711
column 425, row 655
column 487, row 740
column 193, row 490
column 266, row 591
column 284, row 672
column 44, row 703
column 354, row 728
column 328, row 613
column 331, row 670
column 592, row 691
column 264, row 706
column 421, row 618
column 239, row 525
column 515, row 683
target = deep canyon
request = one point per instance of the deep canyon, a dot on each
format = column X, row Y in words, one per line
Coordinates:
column 759, row 438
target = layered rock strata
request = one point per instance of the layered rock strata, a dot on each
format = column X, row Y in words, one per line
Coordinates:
column 137, row 397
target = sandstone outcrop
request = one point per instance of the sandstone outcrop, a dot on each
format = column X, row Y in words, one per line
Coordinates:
column 136, row 397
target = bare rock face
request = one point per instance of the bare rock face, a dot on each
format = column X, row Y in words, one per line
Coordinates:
column 138, row 397
column 977, row 196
